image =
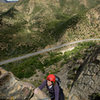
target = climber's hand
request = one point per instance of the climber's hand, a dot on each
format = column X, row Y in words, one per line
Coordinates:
column 36, row 90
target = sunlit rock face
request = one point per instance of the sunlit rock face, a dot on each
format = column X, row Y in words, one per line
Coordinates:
column 40, row 96
column 13, row 88
column 10, row 87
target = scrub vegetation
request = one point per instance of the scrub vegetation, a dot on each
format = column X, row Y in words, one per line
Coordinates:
column 26, row 68
column 30, row 26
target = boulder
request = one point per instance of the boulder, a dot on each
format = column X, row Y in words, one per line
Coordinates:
column 12, row 88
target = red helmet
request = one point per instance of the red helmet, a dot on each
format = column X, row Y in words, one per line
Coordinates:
column 51, row 78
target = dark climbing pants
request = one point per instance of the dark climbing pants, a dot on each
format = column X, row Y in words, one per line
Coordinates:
column 61, row 96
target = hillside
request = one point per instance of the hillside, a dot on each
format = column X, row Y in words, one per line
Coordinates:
column 78, row 70
column 31, row 25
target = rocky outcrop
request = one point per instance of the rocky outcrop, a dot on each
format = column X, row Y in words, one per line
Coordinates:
column 40, row 96
column 87, row 84
column 12, row 88
column 80, row 79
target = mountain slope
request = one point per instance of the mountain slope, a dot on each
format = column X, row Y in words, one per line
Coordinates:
column 30, row 25
column 79, row 71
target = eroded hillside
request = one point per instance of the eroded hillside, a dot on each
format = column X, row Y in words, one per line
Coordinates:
column 30, row 25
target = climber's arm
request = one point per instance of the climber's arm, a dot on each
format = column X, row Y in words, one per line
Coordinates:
column 42, row 85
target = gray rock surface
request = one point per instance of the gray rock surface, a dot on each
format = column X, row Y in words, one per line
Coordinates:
column 87, row 84
column 12, row 88
column 88, row 81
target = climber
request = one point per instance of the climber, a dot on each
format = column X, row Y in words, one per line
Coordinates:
column 55, row 91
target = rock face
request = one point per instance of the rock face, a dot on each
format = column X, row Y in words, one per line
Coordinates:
column 88, row 81
column 87, row 84
column 40, row 96
column 10, row 87
column 13, row 89
column 80, row 79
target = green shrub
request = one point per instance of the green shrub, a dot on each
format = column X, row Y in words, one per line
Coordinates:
column 95, row 96
column 27, row 67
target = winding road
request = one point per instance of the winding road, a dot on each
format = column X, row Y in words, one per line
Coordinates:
column 44, row 50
